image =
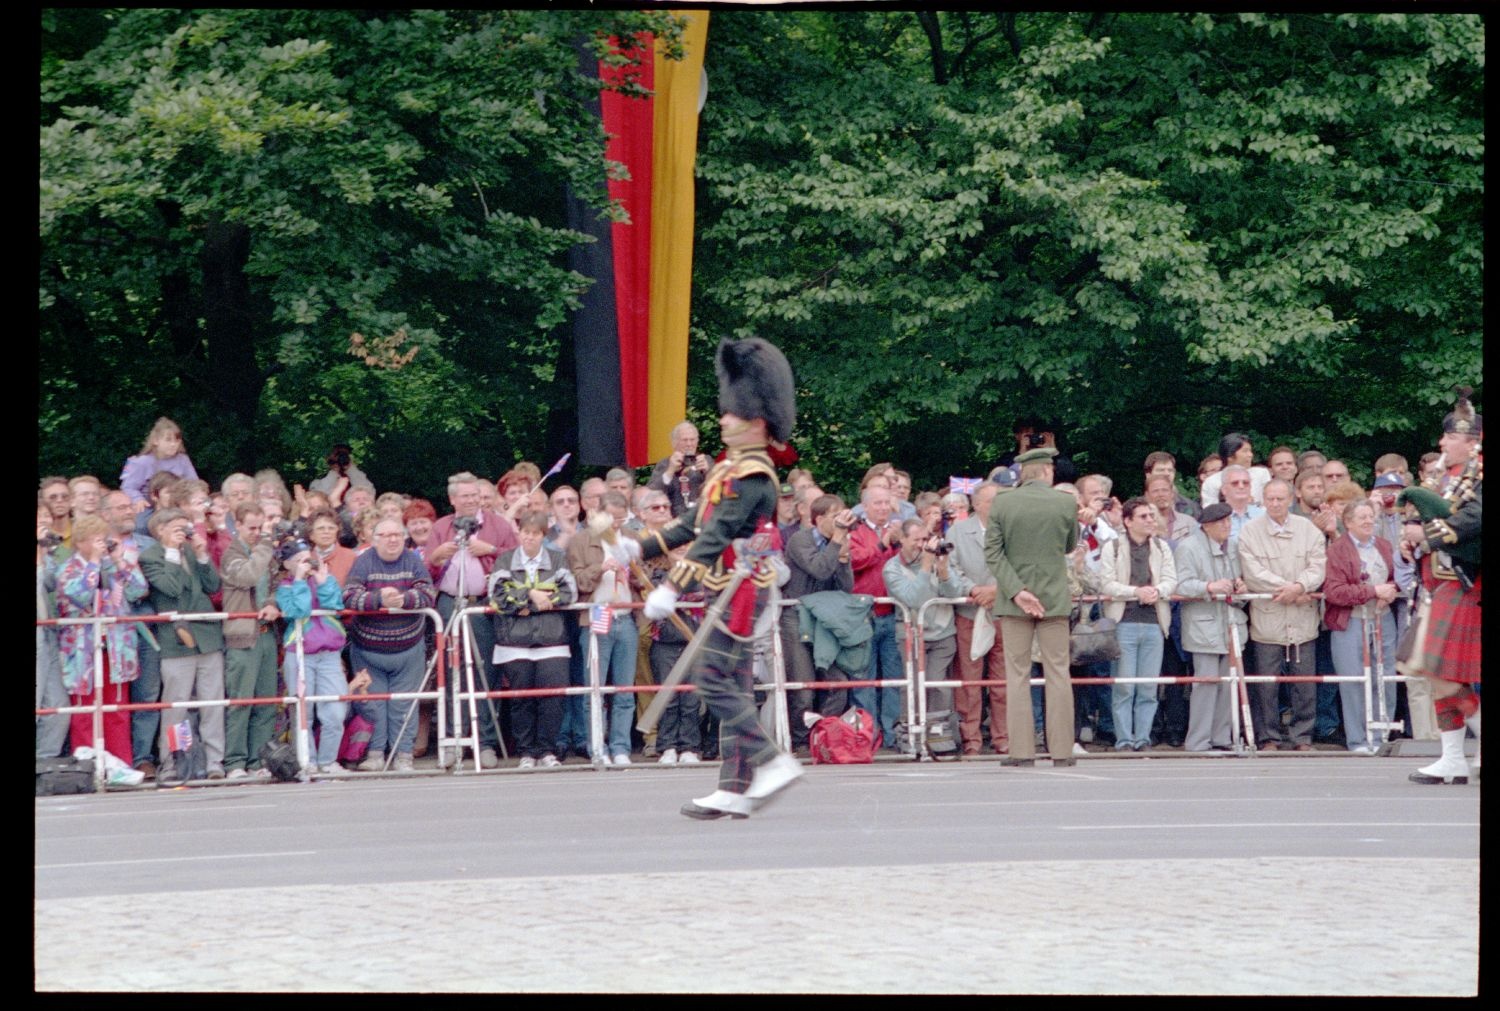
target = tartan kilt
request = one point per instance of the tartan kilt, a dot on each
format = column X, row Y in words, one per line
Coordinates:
column 1451, row 649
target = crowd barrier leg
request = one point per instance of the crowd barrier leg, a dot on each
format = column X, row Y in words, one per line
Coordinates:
column 98, row 702
column 597, row 753
column 304, row 752
column 1243, row 728
column 780, row 721
column 916, row 694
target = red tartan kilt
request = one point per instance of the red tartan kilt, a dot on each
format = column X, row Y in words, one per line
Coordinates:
column 1451, row 651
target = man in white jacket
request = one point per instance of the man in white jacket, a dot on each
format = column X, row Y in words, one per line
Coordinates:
column 1284, row 555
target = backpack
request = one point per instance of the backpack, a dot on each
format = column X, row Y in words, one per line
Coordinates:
column 57, row 776
column 280, row 759
column 850, row 739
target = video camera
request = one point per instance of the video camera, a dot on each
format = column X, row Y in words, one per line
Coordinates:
column 464, row 527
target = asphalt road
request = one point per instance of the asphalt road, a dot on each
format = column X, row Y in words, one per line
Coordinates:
column 1233, row 876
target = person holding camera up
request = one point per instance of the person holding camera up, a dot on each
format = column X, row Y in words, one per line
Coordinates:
column 341, row 476
column 99, row 579
column 681, row 475
column 461, row 553
column 309, row 585
column 920, row 572
column 182, row 576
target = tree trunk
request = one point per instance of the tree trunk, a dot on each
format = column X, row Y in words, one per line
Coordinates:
column 231, row 319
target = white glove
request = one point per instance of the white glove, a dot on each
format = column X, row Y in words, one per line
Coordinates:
column 659, row 603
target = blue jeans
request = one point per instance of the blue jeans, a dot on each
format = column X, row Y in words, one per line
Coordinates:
column 391, row 672
column 1349, row 660
column 885, row 664
column 1134, row 705
column 325, row 676
column 144, row 723
column 617, row 650
column 1328, row 695
column 574, row 734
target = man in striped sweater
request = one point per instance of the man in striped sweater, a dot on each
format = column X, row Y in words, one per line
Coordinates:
column 390, row 647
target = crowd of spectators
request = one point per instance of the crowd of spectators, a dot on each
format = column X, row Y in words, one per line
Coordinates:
column 1314, row 549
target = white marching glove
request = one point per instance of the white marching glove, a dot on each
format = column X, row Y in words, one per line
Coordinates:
column 660, row 601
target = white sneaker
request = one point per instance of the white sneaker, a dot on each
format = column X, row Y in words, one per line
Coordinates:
column 123, row 775
column 1079, row 749
column 621, row 759
column 775, row 775
column 333, row 770
column 261, row 773
column 717, row 805
column 374, row 762
column 688, row 758
column 403, row 763
column 447, row 757
column 668, row 757
column 488, row 759
column 526, row 762
column 550, row 761
column 237, row 774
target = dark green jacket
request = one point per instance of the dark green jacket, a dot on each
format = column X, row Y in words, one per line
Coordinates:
column 175, row 587
column 1031, row 531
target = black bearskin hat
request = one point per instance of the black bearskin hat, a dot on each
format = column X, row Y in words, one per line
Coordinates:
column 755, row 381
column 1462, row 418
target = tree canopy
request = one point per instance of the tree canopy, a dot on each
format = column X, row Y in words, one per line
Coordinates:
column 286, row 228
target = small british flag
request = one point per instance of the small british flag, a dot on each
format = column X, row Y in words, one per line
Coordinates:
column 600, row 618
column 964, row 485
column 180, row 736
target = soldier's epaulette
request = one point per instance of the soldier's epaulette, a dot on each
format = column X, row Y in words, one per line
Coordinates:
column 752, row 462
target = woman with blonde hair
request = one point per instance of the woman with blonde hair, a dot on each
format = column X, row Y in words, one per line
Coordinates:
column 164, row 450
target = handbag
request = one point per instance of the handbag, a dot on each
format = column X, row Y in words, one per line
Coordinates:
column 1093, row 642
column 984, row 634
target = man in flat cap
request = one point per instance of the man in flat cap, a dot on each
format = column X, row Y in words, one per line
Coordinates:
column 1207, row 566
column 1032, row 529
column 734, row 525
column 1445, row 536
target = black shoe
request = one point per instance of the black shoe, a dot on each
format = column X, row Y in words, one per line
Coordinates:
column 1064, row 763
column 1019, row 762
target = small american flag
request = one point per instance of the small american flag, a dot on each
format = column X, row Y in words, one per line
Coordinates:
column 180, row 736
column 964, row 485
column 600, row 618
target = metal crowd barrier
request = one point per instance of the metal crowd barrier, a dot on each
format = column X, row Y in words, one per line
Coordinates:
column 301, row 700
column 455, row 635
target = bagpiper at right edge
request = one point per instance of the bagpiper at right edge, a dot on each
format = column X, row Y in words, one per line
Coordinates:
column 1443, row 530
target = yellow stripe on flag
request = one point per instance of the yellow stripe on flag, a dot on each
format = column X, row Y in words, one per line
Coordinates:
column 675, row 146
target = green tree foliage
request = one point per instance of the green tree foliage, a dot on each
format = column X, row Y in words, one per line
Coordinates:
column 1154, row 228
column 285, row 228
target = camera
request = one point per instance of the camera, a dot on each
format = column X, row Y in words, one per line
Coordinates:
column 109, row 545
column 1035, row 440
column 49, row 540
column 287, row 539
column 340, row 459
column 464, row 526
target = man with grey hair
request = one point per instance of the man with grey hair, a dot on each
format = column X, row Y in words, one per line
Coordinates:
column 462, row 549
column 681, row 474
column 977, row 582
column 1235, row 489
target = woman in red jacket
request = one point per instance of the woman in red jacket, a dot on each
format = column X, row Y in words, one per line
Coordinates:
column 1357, row 594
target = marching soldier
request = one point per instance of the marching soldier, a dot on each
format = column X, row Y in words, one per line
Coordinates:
column 733, row 528
column 1445, row 536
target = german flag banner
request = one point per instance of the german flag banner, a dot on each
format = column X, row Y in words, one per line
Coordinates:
column 631, row 336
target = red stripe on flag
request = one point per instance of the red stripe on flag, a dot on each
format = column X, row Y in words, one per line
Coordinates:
column 629, row 122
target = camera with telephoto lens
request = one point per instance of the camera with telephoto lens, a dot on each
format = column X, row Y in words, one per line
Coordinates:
column 1036, row 440
column 340, row 459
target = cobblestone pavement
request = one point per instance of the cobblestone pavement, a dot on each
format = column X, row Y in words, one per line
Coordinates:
column 1275, row 926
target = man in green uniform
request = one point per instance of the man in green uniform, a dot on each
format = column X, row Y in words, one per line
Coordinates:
column 1032, row 529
